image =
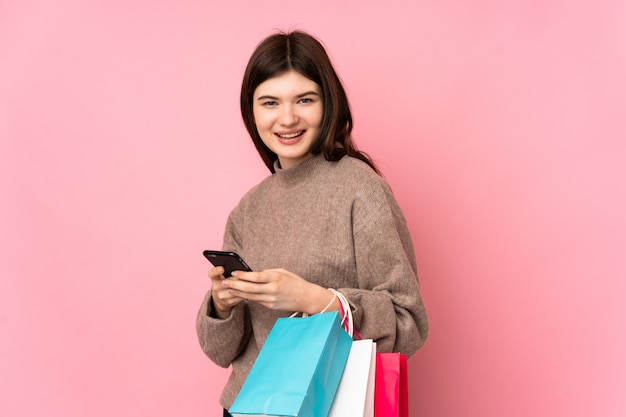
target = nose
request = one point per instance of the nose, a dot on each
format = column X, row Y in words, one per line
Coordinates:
column 288, row 117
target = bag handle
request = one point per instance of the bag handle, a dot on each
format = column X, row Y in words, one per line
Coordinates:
column 346, row 312
column 347, row 321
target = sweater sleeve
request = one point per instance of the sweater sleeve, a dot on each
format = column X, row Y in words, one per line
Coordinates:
column 387, row 306
column 222, row 340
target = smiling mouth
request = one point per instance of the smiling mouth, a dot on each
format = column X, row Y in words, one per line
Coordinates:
column 290, row 135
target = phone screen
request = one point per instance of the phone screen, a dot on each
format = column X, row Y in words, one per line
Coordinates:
column 229, row 260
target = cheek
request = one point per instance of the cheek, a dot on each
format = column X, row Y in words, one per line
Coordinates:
column 260, row 122
column 255, row 117
column 318, row 117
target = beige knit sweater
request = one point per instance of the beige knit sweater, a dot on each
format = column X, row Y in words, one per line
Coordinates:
column 338, row 225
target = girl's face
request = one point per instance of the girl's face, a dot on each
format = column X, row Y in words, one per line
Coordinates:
column 288, row 114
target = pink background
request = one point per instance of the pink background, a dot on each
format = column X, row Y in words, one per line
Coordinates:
column 499, row 125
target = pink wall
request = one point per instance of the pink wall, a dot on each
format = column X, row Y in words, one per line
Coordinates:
column 500, row 126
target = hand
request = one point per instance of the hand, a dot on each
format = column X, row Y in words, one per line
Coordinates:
column 223, row 300
column 279, row 289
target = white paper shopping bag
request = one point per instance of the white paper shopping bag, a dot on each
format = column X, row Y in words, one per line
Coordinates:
column 355, row 395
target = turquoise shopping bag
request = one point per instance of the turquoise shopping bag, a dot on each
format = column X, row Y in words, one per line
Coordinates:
column 298, row 369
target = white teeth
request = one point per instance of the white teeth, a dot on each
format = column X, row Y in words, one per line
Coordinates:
column 290, row 135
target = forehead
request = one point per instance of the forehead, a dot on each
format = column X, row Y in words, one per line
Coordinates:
column 286, row 84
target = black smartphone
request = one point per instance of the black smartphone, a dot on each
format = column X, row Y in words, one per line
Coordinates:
column 229, row 260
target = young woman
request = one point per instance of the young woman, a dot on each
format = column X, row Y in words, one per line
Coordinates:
column 323, row 220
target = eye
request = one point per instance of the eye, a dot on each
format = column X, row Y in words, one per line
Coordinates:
column 269, row 103
column 306, row 100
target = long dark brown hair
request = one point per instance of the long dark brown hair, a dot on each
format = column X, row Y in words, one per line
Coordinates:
column 303, row 53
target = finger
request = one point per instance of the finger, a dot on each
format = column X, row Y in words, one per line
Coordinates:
column 244, row 288
column 278, row 270
column 216, row 272
column 225, row 296
column 254, row 277
column 261, row 298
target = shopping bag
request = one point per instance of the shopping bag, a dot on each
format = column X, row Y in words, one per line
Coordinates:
column 298, row 369
column 355, row 395
column 391, row 397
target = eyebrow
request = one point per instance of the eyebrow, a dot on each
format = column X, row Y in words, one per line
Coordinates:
column 308, row 93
